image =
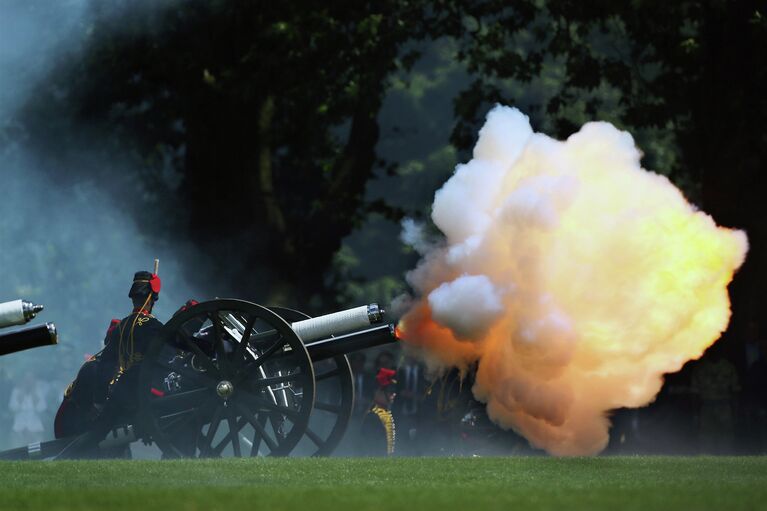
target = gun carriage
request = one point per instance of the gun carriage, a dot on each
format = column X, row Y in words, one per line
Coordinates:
column 232, row 378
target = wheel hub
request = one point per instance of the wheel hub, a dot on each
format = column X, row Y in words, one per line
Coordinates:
column 224, row 389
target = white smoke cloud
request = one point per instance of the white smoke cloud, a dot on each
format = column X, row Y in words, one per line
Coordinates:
column 477, row 299
column 574, row 276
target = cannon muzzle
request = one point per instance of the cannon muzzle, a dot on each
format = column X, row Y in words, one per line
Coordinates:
column 29, row 337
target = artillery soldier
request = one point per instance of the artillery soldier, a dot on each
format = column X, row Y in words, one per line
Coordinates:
column 101, row 393
column 378, row 430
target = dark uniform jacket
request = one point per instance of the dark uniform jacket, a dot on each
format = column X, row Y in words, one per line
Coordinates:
column 378, row 433
column 104, row 386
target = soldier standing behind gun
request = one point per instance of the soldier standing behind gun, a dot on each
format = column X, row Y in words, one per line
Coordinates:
column 101, row 394
column 378, row 430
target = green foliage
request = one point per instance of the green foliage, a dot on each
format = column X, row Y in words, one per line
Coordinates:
column 687, row 79
column 268, row 112
column 268, row 134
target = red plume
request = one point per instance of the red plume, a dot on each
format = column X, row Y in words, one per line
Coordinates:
column 156, row 283
column 385, row 377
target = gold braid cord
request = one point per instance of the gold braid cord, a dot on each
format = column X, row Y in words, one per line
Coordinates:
column 126, row 354
column 387, row 420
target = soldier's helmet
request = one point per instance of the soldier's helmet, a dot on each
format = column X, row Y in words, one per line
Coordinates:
column 144, row 284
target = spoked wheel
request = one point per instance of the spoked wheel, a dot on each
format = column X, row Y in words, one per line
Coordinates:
column 225, row 378
column 334, row 403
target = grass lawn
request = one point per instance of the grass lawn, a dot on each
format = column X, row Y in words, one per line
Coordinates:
column 397, row 484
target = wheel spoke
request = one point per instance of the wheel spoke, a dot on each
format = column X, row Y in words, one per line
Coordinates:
column 240, row 352
column 206, row 449
column 218, row 344
column 267, row 353
column 314, row 437
column 277, row 420
column 219, row 448
column 257, row 402
column 260, row 429
column 234, row 431
column 206, row 362
column 256, row 435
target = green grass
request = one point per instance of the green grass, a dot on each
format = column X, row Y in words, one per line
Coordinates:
column 398, row 484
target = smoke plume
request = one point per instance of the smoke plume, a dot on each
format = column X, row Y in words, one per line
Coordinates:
column 573, row 276
column 64, row 243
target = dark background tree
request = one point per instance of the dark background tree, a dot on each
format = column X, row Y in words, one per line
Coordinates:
column 253, row 128
column 692, row 69
column 266, row 111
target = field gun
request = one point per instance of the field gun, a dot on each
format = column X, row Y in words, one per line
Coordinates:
column 20, row 312
column 232, row 378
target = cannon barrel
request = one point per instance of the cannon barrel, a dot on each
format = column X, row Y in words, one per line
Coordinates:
column 332, row 334
column 320, row 327
column 355, row 341
column 29, row 337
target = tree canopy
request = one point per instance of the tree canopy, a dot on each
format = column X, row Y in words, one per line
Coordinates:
column 253, row 129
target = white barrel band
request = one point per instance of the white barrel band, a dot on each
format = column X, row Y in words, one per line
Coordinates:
column 336, row 323
column 12, row 313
